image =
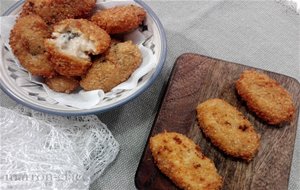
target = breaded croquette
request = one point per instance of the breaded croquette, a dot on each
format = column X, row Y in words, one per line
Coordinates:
column 179, row 158
column 119, row 19
column 53, row 11
column 62, row 84
column 118, row 64
column 102, row 75
column 127, row 55
column 27, row 42
column 73, row 40
column 228, row 129
column 264, row 96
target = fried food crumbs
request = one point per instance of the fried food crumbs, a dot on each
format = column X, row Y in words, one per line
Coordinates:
column 182, row 161
column 228, row 129
column 119, row 19
column 264, row 96
column 27, row 42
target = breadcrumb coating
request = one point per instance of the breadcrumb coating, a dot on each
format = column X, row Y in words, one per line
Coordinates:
column 62, row 84
column 53, row 11
column 88, row 30
column 228, row 129
column 72, row 42
column 119, row 19
column 120, row 61
column 179, row 158
column 27, row 42
column 264, row 96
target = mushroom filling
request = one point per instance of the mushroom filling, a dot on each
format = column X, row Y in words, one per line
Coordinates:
column 74, row 44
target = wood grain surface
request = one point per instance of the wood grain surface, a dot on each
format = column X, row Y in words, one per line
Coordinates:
column 196, row 78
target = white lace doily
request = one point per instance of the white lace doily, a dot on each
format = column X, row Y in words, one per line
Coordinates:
column 40, row 151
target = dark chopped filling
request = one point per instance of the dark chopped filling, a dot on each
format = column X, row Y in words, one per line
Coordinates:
column 70, row 35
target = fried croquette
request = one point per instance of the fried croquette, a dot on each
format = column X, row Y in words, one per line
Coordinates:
column 53, row 11
column 27, row 42
column 228, row 129
column 127, row 55
column 116, row 67
column 264, row 96
column 102, row 75
column 179, row 158
column 62, row 84
column 119, row 19
column 73, row 40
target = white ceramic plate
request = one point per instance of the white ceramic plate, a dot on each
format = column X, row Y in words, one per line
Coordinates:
column 16, row 82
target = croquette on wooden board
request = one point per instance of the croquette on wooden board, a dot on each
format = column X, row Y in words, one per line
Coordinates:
column 182, row 161
column 197, row 78
column 264, row 96
column 228, row 129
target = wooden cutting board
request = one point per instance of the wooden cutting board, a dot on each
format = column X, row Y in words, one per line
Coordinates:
column 196, row 78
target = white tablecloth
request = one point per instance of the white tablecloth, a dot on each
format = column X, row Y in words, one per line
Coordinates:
column 262, row 34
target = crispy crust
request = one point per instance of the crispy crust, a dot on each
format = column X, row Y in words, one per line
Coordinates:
column 182, row 161
column 264, row 96
column 102, row 75
column 119, row 19
column 27, row 43
column 62, row 84
column 127, row 55
column 64, row 64
column 69, row 65
column 228, row 129
column 116, row 67
column 91, row 31
column 53, row 11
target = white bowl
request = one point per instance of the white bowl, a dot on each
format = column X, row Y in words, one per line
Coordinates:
column 33, row 95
